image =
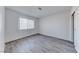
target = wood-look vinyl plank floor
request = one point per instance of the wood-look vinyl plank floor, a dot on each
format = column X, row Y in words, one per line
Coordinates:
column 39, row 44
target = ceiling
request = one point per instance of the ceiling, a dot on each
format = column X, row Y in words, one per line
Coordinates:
column 39, row 11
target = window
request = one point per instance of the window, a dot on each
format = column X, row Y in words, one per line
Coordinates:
column 30, row 24
column 26, row 24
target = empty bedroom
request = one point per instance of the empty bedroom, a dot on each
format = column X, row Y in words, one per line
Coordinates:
column 40, row 29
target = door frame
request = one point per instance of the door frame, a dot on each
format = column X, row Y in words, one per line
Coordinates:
column 73, row 26
column 72, row 23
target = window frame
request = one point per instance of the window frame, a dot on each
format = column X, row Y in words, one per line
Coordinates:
column 27, row 23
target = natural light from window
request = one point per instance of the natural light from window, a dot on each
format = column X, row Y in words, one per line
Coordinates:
column 26, row 24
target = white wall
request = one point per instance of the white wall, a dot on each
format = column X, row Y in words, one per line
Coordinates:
column 57, row 25
column 73, row 9
column 12, row 29
column 76, row 23
column 2, row 37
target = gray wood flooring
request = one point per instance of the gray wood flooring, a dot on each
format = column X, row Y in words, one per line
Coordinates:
column 39, row 44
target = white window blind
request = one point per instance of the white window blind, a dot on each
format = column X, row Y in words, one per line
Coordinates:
column 30, row 24
column 26, row 24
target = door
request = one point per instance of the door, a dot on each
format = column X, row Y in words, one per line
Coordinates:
column 76, row 29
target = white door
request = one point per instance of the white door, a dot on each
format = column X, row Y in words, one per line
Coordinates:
column 76, row 29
